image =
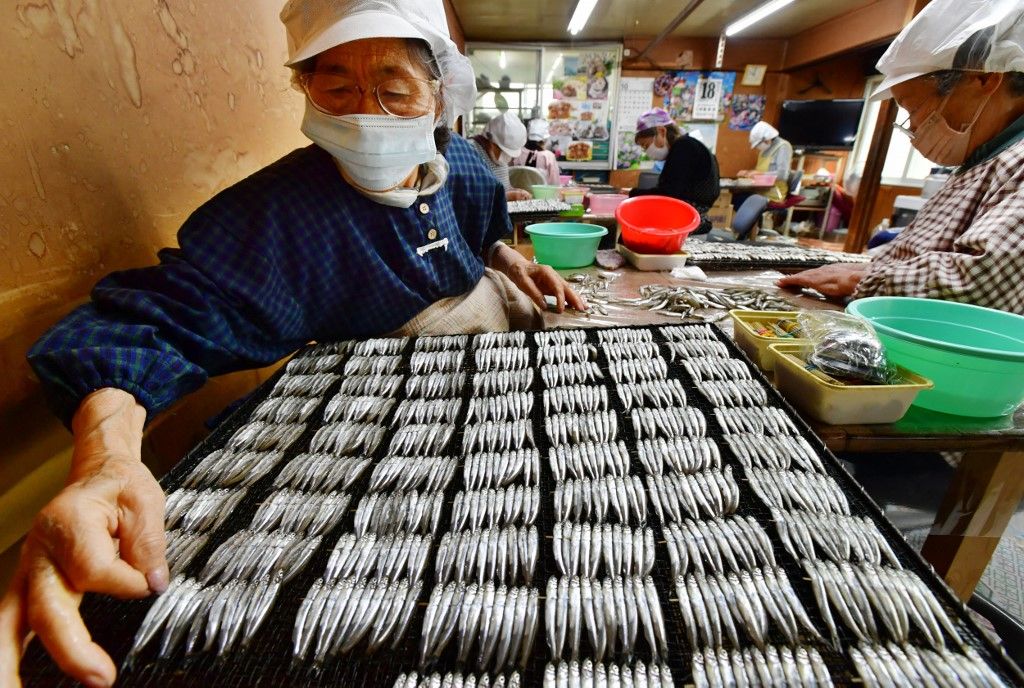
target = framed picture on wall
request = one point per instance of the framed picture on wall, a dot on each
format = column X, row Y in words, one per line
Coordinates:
column 753, row 75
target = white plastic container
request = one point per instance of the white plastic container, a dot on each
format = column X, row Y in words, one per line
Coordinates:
column 653, row 261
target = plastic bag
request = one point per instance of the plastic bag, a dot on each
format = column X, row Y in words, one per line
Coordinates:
column 846, row 347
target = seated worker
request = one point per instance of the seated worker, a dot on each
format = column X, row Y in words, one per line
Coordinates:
column 774, row 156
column 691, row 170
column 958, row 69
column 501, row 143
column 536, row 154
column 336, row 240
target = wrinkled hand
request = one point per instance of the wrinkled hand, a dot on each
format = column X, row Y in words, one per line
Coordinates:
column 536, row 281
column 518, row 195
column 835, row 281
column 103, row 533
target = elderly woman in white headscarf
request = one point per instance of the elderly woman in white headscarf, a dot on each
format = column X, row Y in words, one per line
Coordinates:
column 958, row 70
column 386, row 225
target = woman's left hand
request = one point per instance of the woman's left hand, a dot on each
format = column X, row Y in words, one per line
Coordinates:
column 535, row 280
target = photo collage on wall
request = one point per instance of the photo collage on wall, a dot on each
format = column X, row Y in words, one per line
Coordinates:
column 580, row 114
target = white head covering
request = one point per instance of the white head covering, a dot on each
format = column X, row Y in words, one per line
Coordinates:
column 314, row 26
column 508, row 132
column 968, row 35
column 761, row 132
column 539, row 130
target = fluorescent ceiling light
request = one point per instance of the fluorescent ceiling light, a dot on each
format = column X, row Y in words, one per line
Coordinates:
column 581, row 15
column 757, row 15
column 502, row 60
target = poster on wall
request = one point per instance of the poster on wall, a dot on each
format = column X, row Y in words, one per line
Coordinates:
column 745, row 111
column 680, row 100
column 634, row 100
column 580, row 112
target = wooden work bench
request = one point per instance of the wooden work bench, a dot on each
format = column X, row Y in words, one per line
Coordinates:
column 988, row 484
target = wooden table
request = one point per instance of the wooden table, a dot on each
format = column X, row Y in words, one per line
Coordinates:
column 986, row 488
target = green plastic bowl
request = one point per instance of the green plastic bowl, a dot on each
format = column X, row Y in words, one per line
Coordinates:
column 543, row 191
column 565, row 245
column 974, row 355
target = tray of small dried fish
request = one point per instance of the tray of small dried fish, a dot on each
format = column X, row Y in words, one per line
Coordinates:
column 605, row 507
column 726, row 256
column 540, row 207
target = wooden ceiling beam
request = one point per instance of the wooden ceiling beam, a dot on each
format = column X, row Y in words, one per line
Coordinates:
column 672, row 26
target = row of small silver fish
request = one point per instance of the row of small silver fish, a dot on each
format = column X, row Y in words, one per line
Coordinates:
column 381, row 346
column 716, row 606
column 442, row 342
column 223, row 468
column 777, row 453
column 427, row 411
column 673, row 422
column 587, row 674
column 426, row 473
column 618, row 351
column 200, row 510
column 491, row 436
column 371, row 385
column 412, row 512
column 386, row 556
column 684, row 333
column 261, row 436
column 899, row 598
column 491, row 340
column 679, row 454
column 575, row 399
column 762, row 420
column 500, row 621
column 571, row 352
column 313, row 385
column 347, row 439
column 514, row 406
column 427, row 439
column 697, row 348
column 250, row 555
column 182, row 548
column 372, row 365
column 494, row 507
column 310, row 363
column 498, row 554
column 330, row 348
column 717, row 369
column 435, row 385
column 590, row 499
column 818, row 494
column 556, row 337
column 905, row 666
column 500, row 469
column 576, row 428
column 285, row 409
column 504, row 358
column 321, row 472
column 293, row 511
column 656, row 393
column 838, row 538
column 219, row 617
column 638, row 370
column 581, row 548
column 450, row 361
column 501, row 382
column 334, row 618
column 733, row 393
column 610, row 612
column 718, row 545
column 624, row 334
column 364, row 409
column 760, row 668
column 566, row 374
column 453, row 680
column 710, row 493
column 589, row 460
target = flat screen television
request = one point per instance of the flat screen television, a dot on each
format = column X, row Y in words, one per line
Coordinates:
column 820, row 124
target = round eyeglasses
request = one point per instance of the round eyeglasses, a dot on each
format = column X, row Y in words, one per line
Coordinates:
column 338, row 95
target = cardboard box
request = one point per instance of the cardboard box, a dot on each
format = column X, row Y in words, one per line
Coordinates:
column 720, row 216
column 724, row 198
column 624, row 179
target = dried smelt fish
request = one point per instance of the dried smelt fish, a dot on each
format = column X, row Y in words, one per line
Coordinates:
column 835, row 537
column 321, row 472
column 685, row 300
column 599, row 499
column 491, row 340
column 610, row 613
column 435, row 385
column 769, row 420
column 501, row 469
column 292, row 511
column 718, row 369
column 670, row 423
column 222, row 468
column 589, row 460
column 575, row 399
column 285, row 409
column 734, row 393
column 777, row 453
column 490, row 508
column 389, row 513
column 303, row 385
column 503, row 555
column 424, row 362
column 584, row 549
column 391, row 557
column 697, row 348
column 592, row 674
column 577, row 428
column 380, row 347
column 371, row 385
column 633, row 370
column 502, row 382
column 571, row 352
column 426, row 473
column 314, row 363
column 366, row 409
column 330, row 348
column 685, row 333
column 546, row 338
column 456, row 342
column 818, row 494
column 764, row 667
column 702, row 252
column 200, row 510
column 372, row 365
column 907, row 666
column 624, row 334
column 565, row 374
column 182, row 548
column 718, row 545
column 676, row 496
column 251, row 555
column 507, row 407
column 426, row 411
column 655, row 393
column 679, row 454
column 502, row 358
column 347, row 439
column 617, row 351
column 260, row 436
column 421, row 440
column 454, row 679
column 490, row 436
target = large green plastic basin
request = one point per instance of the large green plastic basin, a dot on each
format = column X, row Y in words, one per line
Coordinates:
column 564, row 245
column 974, row 355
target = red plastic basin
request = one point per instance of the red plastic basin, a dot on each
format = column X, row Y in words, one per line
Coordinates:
column 656, row 224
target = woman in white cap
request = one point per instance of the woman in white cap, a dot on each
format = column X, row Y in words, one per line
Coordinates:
column 958, row 70
column 774, row 156
column 536, row 154
column 500, row 143
column 384, row 226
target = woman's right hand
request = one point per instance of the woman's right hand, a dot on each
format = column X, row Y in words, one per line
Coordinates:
column 104, row 532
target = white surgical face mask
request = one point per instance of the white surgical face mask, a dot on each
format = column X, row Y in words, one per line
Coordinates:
column 941, row 143
column 656, row 152
column 764, row 146
column 504, row 158
column 376, row 152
